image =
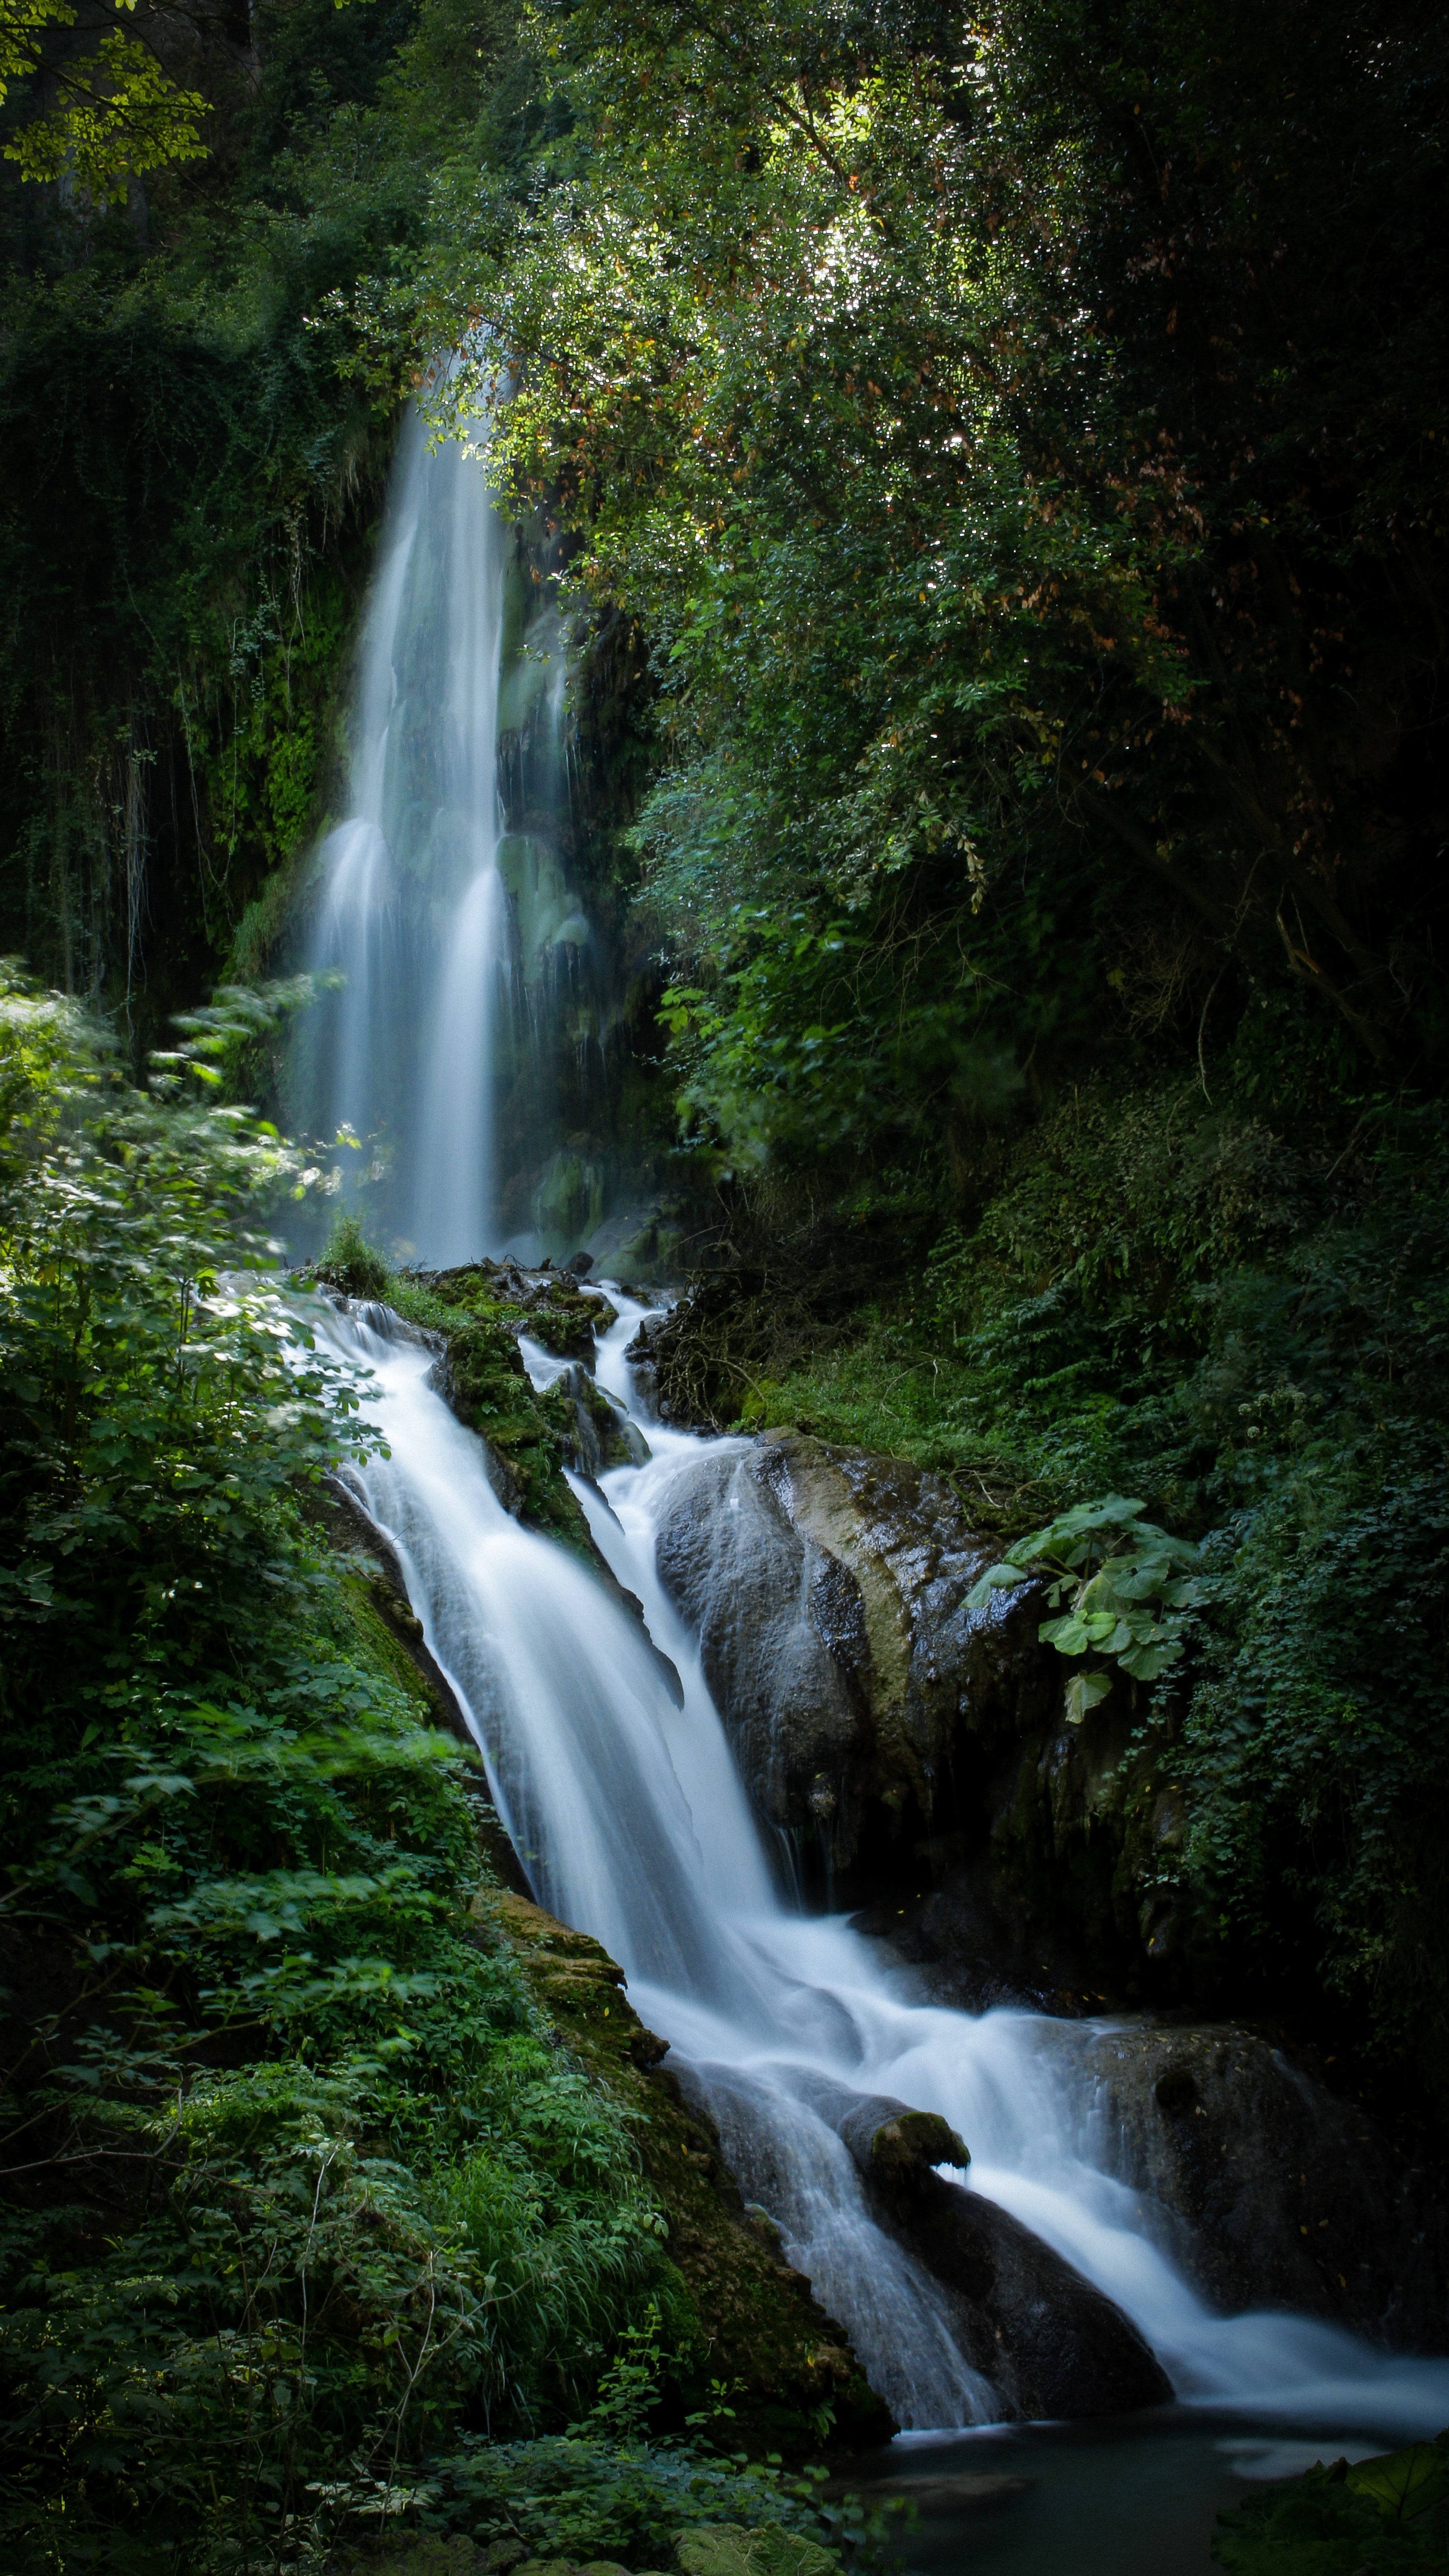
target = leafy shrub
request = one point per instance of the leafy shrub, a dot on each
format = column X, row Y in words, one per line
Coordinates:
column 348, row 1261
column 1387, row 2515
column 293, row 2173
column 1131, row 1590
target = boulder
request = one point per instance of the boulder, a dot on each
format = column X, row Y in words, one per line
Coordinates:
column 918, row 1751
column 828, row 1591
column 897, row 2149
column 1270, row 2191
column 781, row 1639
column 1051, row 2343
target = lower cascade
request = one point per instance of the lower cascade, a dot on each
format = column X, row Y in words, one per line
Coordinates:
column 1031, row 2281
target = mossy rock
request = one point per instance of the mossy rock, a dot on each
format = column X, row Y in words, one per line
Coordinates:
column 485, row 1364
column 759, row 2327
column 532, row 1437
column 730, row 2549
column 566, row 1323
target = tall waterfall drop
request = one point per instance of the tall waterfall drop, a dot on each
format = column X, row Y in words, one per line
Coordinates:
column 443, row 903
column 633, row 1817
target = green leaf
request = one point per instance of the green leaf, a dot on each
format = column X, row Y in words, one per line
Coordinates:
column 1086, row 1691
column 997, row 1578
column 1403, row 2483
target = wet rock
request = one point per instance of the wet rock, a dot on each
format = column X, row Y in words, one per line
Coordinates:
column 828, row 1589
column 1051, row 2343
column 773, row 1614
column 604, row 1437
column 642, row 1356
column 1269, row 2190
column 897, row 2148
column 1027, row 1918
column 918, row 1751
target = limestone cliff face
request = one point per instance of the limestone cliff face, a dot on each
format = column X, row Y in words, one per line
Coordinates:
column 917, row 1748
column 828, row 1589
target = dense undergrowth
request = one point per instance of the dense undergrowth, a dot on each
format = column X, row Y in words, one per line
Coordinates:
column 1233, row 1311
column 1015, row 450
column 297, row 2180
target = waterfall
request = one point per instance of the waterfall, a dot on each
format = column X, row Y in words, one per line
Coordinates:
column 634, row 1826
column 445, row 906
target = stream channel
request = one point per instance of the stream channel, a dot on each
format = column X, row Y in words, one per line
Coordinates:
column 460, row 1033
column 632, row 1824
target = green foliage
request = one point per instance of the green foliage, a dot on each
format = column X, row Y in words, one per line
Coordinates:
column 116, row 113
column 348, row 1261
column 604, row 2490
column 1130, row 1587
column 293, row 2173
column 1232, row 1312
column 1386, row 2515
column 1011, row 556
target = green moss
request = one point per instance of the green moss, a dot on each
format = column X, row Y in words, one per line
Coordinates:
column 533, row 1436
column 791, row 2379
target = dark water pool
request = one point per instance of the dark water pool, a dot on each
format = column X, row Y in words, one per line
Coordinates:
column 1085, row 2500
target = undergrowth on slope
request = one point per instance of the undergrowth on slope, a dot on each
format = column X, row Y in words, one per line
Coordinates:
column 293, row 2173
column 1233, row 1311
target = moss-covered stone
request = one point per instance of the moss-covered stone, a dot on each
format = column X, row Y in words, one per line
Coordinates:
column 731, row 2549
column 390, row 1639
column 532, row 1437
column 781, row 2357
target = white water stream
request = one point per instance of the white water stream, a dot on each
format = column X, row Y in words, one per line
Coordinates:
column 633, row 1825
column 413, row 914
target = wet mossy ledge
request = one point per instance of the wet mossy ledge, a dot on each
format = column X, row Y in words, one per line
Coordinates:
column 790, row 2376
column 476, row 1314
column 752, row 2348
column 751, row 2345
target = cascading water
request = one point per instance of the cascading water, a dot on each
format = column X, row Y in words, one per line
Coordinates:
column 635, row 1827
column 413, row 912
column 628, row 1813
column 443, row 902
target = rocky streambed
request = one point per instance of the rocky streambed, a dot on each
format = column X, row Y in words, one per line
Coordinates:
column 916, row 1757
